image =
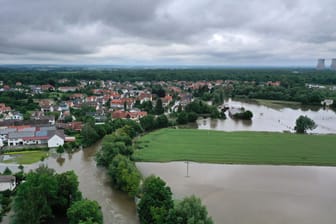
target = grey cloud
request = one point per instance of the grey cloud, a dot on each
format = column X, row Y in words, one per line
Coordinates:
column 86, row 28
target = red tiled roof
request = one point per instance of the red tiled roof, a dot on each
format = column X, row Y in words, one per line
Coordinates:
column 36, row 138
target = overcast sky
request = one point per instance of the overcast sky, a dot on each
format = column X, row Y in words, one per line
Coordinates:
column 152, row 32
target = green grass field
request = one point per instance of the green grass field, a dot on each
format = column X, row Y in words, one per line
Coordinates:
column 26, row 157
column 278, row 103
column 237, row 147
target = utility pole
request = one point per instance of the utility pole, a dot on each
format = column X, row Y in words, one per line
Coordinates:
column 187, row 168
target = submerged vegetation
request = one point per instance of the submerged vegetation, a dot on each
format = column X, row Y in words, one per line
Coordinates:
column 25, row 157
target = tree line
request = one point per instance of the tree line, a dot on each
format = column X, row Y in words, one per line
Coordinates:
column 156, row 205
column 285, row 75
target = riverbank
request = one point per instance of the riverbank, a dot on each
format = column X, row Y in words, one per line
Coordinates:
column 278, row 103
column 237, row 147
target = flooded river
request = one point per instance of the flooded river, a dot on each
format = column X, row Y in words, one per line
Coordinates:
column 234, row 194
column 117, row 207
column 247, row 194
column 276, row 118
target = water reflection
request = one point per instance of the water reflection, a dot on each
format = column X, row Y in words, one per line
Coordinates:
column 248, row 194
column 275, row 117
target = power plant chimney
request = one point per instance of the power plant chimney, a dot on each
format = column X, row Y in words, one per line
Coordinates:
column 333, row 64
column 320, row 64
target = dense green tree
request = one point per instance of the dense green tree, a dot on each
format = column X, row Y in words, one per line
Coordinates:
column 82, row 113
column 158, row 109
column 109, row 151
column 246, row 115
column 129, row 130
column 161, row 121
column 137, row 104
column 124, row 175
column 182, row 118
column 68, row 119
column 67, row 191
column 85, row 211
column 35, row 198
column 189, row 211
column 60, row 149
column 304, row 123
column 89, row 134
column 101, row 130
column 158, row 90
column 147, row 106
column 192, row 116
column 214, row 113
column 45, row 195
column 179, row 109
column 156, row 200
column 7, row 171
column 147, row 122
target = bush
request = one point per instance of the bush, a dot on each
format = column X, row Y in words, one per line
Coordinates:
column 85, row 211
column 124, row 175
column 246, row 115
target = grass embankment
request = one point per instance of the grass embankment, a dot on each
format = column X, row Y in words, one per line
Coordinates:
column 237, row 147
column 26, row 157
column 278, row 103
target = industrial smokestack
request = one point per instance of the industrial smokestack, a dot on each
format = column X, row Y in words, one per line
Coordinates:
column 333, row 64
column 320, row 64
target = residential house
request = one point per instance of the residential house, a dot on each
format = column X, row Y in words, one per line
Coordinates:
column 4, row 108
column 7, row 182
column 145, row 97
column 276, row 83
column 63, row 106
column 13, row 115
column 47, row 87
column 77, row 96
column 166, row 100
column 62, row 81
column 134, row 115
column 55, row 139
column 36, row 136
column 46, row 105
column 39, row 115
column 117, row 104
column 74, row 125
column 66, row 89
column 4, row 131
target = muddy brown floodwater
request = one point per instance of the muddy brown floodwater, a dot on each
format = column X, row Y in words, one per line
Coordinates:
column 276, row 118
column 117, row 207
column 248, row 194
column 234, row 194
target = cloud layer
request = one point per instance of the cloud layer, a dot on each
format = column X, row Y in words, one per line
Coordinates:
column 207, row 32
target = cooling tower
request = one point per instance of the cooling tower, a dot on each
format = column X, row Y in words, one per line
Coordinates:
column 320, row 64
column 333, row 64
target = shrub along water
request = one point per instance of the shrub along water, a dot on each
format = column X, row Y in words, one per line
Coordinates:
column 155, row 197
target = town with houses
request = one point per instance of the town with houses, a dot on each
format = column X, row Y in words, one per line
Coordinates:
column 107, row 99
column 110, row 100
column 39, row 121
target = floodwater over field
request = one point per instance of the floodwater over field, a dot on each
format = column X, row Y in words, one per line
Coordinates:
column 117, row 207
column 274, row 117
column 248, row 194
column 242, row 194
